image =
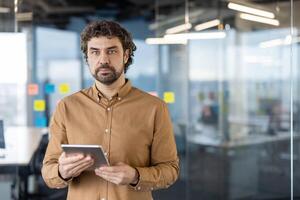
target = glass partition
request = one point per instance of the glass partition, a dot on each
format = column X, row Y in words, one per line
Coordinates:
column 238, row 100
column 295, row 114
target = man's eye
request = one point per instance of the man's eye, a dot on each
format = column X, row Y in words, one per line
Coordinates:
column 112, row 51
column 95, row 52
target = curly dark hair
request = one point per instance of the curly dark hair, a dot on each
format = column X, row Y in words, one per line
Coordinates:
column 107, row 29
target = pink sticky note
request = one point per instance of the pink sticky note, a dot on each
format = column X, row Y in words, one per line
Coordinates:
column 33, row 89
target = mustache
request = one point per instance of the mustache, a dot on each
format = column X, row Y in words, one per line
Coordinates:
column 104, row 66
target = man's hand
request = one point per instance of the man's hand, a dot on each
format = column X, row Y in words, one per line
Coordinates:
column 121, row 174
column 72, row 165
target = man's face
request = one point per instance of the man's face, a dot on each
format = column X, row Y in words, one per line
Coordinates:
column 106, row 59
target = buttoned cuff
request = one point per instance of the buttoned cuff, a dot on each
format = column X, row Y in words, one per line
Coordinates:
column 55, row 180
column 65, row 179
column 145, row 183
column 133, row 185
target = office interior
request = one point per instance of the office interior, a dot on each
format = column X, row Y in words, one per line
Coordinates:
column 228, row 70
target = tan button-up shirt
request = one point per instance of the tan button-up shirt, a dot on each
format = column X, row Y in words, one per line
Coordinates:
column 133, row 127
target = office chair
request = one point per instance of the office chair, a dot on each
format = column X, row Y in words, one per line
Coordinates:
column 42, row 192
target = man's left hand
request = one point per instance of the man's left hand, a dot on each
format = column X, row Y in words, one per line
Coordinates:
column 120, row 174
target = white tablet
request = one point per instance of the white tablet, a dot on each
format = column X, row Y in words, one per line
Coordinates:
column 95, row 151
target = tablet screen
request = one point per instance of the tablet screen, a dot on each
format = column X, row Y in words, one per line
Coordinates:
column 95, row 151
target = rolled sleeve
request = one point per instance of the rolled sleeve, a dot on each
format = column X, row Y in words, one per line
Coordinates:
column 57, row 137
column 164, row 169
column 158, row 177
column 52, row 178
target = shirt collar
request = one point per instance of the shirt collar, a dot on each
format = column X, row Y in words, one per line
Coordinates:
column 124, row 90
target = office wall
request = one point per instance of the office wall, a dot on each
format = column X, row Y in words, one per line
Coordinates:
column 234, row 100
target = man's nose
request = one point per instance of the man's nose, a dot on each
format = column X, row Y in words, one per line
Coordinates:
column 103, row 58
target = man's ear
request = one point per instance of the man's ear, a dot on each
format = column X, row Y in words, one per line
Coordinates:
column 126, row 55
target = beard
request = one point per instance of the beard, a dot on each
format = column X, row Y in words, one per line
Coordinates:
column 109, row 77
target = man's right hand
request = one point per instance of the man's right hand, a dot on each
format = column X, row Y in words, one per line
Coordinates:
column 72, row 165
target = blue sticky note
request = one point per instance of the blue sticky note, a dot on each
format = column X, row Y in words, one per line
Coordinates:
column 49, row 88
column 40, row 122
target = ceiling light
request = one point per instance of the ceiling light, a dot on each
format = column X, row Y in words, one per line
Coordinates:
column 288, row 40
column 26, row 16
column 207, row 25
column 180, row 28
column 176, row 19
column 271, row 43
column 197, row 36
column 4, row 10
column 165, row 41
column 264, row 20
column 250, row 10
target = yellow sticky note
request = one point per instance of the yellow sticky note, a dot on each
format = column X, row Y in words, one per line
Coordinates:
column 39, row 105
column 169, row 97
column 64, row 88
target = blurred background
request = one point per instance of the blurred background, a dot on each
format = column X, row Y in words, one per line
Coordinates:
column 228, row 69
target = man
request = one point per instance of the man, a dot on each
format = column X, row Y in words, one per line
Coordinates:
column 132, row 126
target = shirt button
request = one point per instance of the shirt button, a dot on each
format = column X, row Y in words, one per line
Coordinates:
column 119, row 98
column 108, row 109
column 151, row 188
column 102, row 198
column 106, row 130
column 139, row 188
column 106, row 154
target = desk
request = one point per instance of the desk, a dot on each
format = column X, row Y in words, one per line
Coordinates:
column 21, row 143
column 253, row 167
column 204, row 140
